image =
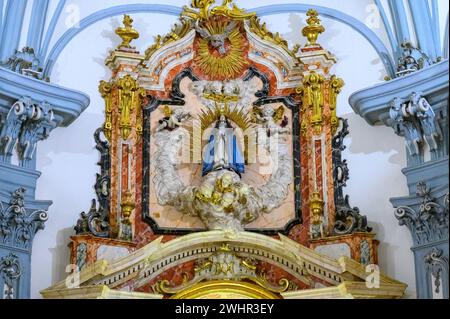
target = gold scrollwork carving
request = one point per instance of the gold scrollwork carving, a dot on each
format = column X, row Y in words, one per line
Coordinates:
column 314, row 99
column 226, row 9
column 260, row 29
column 336, row 85
column 105, row 91
column 141, row 95
column 179, row 30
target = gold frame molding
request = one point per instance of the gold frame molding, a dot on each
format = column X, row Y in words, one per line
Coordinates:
column 225, row 289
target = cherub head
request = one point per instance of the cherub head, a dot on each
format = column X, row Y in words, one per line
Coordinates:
column 224, row 183
column 204, row 193
column 267, row 111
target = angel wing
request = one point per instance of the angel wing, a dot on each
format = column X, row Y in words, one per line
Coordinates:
column 229, row 29
column 167, row 111
column 279, row 114
column 204, row 33
column 256, row 114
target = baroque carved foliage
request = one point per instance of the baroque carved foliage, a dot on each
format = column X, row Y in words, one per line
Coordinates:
column 412, row 60
column 25, row 62
column 429, row 222
column 313, row 101
column 129, row 106
column 225, row 264
column 17, row 226
column 10, row 270
column 96, row 221
column 348, row 219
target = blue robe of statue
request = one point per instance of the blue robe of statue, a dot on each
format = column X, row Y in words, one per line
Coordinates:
column 233, row 157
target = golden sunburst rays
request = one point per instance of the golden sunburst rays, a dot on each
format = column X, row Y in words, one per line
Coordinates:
column 227, row 66
column 239, row 116
column 198, row 132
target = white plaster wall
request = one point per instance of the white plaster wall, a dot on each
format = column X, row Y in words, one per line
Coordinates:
column 68, row 159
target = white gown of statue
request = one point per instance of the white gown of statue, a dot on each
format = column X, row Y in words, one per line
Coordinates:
column 221, row 154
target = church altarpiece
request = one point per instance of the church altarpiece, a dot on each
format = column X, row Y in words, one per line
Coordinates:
column 221, row 170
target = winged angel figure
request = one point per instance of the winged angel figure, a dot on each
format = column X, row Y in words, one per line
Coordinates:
column 217, row 41
column 222, row 201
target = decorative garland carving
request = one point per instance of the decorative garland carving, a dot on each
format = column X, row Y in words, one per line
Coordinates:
column 11, row 272
column 127, row 91
column 437, row 265
column 179, row 31
column 336, row 85
column 17, row 227
column 314, row 100
column 105, row 91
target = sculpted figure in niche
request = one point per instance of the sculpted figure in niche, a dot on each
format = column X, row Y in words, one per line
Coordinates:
column 222, row 151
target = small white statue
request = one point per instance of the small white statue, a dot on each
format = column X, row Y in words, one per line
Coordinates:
column 268, row 118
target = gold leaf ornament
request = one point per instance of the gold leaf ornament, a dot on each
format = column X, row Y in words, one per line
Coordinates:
column 228, row 65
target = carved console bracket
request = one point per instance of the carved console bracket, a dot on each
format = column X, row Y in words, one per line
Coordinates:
column 26, row 124
column 416, row 121
column 437, row 266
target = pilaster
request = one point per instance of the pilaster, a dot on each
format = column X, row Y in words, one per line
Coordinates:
column 416, row 107
column 123, row 129
column 334, row 226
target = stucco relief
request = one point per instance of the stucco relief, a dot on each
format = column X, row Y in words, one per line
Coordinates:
column 257, row 172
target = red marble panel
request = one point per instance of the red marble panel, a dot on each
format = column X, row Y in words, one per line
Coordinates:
column 318, row 169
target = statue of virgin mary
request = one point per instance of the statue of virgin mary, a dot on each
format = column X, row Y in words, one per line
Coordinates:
column 222, row 151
